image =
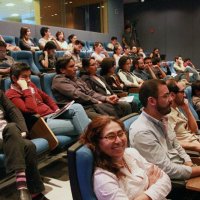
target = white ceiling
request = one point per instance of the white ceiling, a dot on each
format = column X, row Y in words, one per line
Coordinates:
column 23, row 8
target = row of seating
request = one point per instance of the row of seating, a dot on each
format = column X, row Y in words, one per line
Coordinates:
column 32, row 59
column 15, row 41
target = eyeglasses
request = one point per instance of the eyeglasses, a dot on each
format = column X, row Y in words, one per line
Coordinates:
column 112, row 136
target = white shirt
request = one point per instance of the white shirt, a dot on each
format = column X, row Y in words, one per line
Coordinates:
column 63, row 45
column 108, row 187
column 98, row 57
column 3, row 123
column 42, row 42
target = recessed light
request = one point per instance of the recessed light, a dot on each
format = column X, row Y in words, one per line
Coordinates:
column 70, row 2
column 14, row 15
column 10, row 4
column 55, row 14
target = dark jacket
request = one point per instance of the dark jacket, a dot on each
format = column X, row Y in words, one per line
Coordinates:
column 97, row 86
column 11, row 112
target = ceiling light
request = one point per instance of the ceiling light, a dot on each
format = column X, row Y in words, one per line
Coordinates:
column 28, row 1
column 14, row 15
column 10, row 4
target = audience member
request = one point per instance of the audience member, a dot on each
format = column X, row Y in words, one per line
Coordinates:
column 121, row 172
column 184, row 125
column 67, row 86
column 48, row 58
column 71, row 41
column 46, row 37
column 143, row 71
column 113, row 42
column 196, row 96
column 10, row 47
column 20, row 153
column 126, row 51
column 31, row 100
column 108, row 69
column 5, row 61
column 60, row 37
column 25, row 42
column 141, row 53
column 117, row 54
column 74, row 53
column 159, row 73
column 127, row 77
column 99, row 52
column 127, row 37
column 155, row 53
column 156, row 141
column 134, row 53
column 184, row 72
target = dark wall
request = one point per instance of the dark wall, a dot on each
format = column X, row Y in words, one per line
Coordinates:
column 171, row 25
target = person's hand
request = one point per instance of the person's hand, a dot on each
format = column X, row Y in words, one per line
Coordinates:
column 22, row 83
column 154, row 173
column 99, row 102
column 45, row 53
column 189, row 163
column 185, row 105
column 113, row 99
column 53, row 38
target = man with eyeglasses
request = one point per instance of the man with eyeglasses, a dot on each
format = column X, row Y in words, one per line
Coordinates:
column 184, row 125
column 153, row 136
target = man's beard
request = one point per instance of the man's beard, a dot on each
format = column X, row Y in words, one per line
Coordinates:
column 164, row 110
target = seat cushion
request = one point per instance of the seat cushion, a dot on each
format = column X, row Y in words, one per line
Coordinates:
column 41, row 144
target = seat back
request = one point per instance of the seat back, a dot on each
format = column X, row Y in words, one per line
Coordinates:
column 36, row 59
column 90, row 45
column 5, row 83
column 80, row 164
column 60, row 54
column 25, row 57
column 46, row 82
column 9, row 39
column 188, row 93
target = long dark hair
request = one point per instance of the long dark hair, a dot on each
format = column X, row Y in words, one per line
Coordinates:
column 91, row 138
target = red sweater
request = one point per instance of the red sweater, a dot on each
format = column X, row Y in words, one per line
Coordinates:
column 37, row 103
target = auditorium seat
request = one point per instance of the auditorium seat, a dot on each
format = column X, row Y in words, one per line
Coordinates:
column 9, row 39
column 90, row 45
column 26, row 57
column 36, row 59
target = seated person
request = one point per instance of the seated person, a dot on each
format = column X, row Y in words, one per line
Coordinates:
column 48, row 58
column 141, row 53
column 188, row 72
column 113, row 42
column 98, row 83
column 71, row 41
column 5, row 61
column 117, row 54
column 134, row 53
column 67, row 86
column 159, row 73
column 196, row 96
column 25, row 42
column 99, row 52
column 31, row 100
column 108, row 72
column 127, row 77
column 60, row 37
column 156, row 141
column 20, row 153
column 155, row 53
column 10, row 47
column 74, row 53
column 143, row 71
column 184, row 126
column 46, row 37
column 121, row 172
column 126, row 51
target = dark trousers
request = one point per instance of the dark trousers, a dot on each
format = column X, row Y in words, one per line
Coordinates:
column 21, row 155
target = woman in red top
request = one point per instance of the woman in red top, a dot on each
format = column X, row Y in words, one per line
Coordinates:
column 31, row 100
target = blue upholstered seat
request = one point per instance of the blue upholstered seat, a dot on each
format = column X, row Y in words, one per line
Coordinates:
column 25, row 57
column 46, row 82
column 9, row 39
column 36, row 59
column 42, row 145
